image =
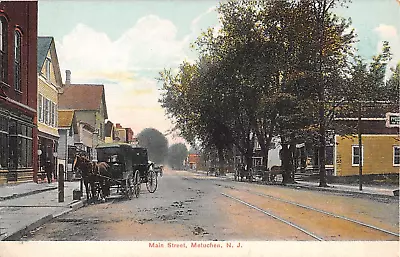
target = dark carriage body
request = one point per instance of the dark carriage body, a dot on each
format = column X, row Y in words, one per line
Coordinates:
column 128, row 165
column 119, row 157
column 140, row 161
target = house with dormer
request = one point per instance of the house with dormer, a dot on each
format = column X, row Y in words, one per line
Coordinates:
column 49, row 86
column 89, row 105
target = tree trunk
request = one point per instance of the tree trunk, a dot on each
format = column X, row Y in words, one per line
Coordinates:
column 321, row 150
column 321, row 98
column 249, row 164
column 285, row 164
column 221, row 162
column 292, row 160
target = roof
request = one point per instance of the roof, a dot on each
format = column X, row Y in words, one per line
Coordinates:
column 83, row 97
column 65, row 118
column 43, row 47
column 116, row 145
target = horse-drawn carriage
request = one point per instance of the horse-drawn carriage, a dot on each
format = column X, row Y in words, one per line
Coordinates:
column 120, row 166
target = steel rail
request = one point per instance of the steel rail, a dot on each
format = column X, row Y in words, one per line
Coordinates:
column 274, row 216
column 325, row 212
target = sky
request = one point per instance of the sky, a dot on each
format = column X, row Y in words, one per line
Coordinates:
column 125, row 44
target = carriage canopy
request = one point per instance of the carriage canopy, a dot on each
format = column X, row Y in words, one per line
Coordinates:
column 130, row 157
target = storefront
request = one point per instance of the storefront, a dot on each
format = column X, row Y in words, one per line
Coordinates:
column 47, row 152
column 16, row 146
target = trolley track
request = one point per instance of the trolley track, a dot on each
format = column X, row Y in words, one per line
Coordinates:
column 275, row 217
column 267, row 211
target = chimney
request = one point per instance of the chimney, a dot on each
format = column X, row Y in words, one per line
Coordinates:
column 67, row 77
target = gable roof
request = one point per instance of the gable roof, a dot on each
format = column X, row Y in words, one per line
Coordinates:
column 83, row 97
column 43, row 47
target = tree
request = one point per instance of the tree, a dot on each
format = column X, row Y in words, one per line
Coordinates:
column 392, row 88
column 156, row 144
column 267, row 53
column 177, row 153
column 368, row 88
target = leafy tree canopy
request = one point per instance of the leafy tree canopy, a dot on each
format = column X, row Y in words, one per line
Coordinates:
column 156, row 144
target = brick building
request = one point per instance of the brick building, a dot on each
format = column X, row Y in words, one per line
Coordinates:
column 18, row 91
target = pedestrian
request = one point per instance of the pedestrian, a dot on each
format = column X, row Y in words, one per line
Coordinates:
column 49, row 171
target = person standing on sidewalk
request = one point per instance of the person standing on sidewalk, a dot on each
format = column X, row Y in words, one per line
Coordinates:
column 49, row 170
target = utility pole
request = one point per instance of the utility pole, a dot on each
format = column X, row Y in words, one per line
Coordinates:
column 360, row 165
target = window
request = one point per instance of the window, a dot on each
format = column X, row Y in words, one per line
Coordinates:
column 47, row 66
column 396, row 155
column 40, row 108
column 55, row 116
column 51, row 121
column 46, row 111
column 13, row 145
column 3, row 49
column 257, row 161
column 17, row 61
column 355, row 155
column 3, row 142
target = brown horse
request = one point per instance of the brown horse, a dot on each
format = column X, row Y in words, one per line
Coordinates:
column 86, row 168
column 93, row 172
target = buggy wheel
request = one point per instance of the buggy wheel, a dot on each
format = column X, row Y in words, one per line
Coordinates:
column 136, row 187
column 151, row 183
column 129, row 186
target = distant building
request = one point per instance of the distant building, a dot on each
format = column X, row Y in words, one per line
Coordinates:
column 68, row 129
column 18, row 91
column 125, row 135
column 89, row 103
column 193, row 161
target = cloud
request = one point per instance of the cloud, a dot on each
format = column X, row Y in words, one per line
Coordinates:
column 391, row 34
column 128, row 66
column 386, row 31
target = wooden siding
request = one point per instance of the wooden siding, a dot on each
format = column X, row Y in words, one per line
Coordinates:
column 377, row 154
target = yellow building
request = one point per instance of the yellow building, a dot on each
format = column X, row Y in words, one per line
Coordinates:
column 49, row 85
column 380, row 154
column 380, row 151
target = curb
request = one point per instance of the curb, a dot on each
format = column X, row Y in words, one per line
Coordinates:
column 16, row 235
column 28, row 228
column 332, row 189
column 14, row 196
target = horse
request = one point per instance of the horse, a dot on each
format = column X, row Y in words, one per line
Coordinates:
column 87, row 173
column 93, row 172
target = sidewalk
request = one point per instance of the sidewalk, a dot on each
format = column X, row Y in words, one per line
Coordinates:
column 26, row 206
column 385, row 191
